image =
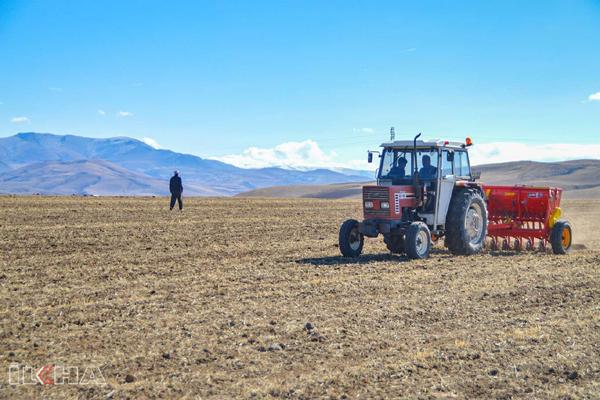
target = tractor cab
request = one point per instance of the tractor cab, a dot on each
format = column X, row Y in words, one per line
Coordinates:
column 399, row 163
column 429, row 169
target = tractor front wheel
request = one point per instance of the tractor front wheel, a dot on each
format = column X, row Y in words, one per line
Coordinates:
column 418, row 241
column 394, row 243
column 466, row 223
column 351, row 240
column 561, row 237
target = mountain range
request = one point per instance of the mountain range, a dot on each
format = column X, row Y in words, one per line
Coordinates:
column 52, row 164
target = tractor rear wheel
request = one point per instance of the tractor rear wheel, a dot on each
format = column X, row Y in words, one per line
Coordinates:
column 418, row 241
column 561, row 237
column 466, row 222
column 394, row 243
column 351, row 241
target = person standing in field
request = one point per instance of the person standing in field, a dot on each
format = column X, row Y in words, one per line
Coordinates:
column 176, row 188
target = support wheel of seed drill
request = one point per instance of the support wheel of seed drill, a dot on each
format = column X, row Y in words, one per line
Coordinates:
column 528, row 245
column 493, row 244
column 417, row 241
column 351, row 240
column 541, row 247
column 561, row 237
column 517, row 245
column 505, row 244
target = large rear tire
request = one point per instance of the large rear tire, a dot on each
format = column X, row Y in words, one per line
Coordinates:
column 394, row 243
column 466, row 222
column 561, row 237
column 351, row 241
column 418, row 241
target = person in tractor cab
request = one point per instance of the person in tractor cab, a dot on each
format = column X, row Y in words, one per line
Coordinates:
column 428, row 171
column 176, row 189
column 398, row 171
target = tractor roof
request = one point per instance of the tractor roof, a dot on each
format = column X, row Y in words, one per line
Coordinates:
column 424, row 143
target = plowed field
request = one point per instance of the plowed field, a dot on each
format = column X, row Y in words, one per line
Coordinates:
column 214, row 302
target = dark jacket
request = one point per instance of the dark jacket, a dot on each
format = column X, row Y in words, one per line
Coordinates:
column 175, row 185
column 429, row 172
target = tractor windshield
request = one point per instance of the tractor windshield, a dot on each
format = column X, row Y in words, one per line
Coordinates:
column 398, row 165
column 428, row 161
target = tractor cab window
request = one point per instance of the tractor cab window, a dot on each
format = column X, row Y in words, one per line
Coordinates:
column 461, row 164
column 396, row 166
column 428, row 164
column 447, row 157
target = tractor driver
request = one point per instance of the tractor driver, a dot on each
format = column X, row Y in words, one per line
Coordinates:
column 428, row 171
column 398, row 171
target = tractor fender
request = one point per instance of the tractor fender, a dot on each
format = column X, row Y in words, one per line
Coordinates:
column 471, row 185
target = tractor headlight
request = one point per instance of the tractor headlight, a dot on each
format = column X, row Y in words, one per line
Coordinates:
column 368, row 204
column 385, row 205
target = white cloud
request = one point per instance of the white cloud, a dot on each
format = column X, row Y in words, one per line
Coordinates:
column 594, row 97
column 364, row 130
column 152, row 143
column 293, row 155
column 307, row 155
column 101, row 112
column 124, row 114
column 1, row 102
column 55, row 89
column 491, row 153
column 20, row 119
column 407, row 50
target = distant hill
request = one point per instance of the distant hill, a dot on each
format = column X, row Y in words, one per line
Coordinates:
column 86, row 177
column 209, row 176
column 580, row 179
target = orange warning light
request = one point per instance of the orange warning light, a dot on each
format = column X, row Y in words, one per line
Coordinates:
column 469, row 142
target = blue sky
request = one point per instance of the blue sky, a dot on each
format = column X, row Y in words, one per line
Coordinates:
column 217, row 78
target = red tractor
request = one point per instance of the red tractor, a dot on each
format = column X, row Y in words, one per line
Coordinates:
column 426, row 191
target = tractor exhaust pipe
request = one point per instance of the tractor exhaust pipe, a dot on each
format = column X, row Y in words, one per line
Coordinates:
column 416, row 172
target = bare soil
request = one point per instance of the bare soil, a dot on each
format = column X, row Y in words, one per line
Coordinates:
column 213, row 302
